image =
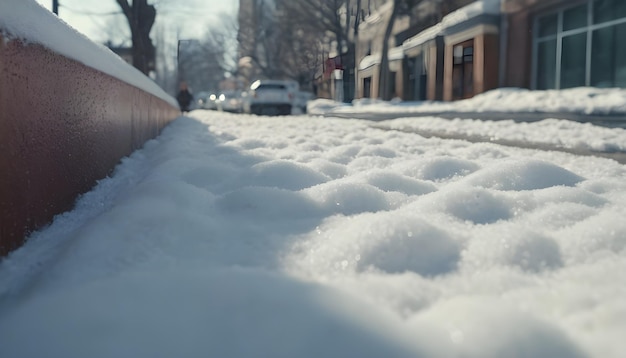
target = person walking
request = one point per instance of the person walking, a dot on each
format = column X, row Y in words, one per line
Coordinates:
column 184, row 97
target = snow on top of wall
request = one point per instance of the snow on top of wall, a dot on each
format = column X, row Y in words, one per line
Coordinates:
column 369, row 61
column 424, row 36
column 396, row 53
column 377, row 15
column 470, row 11
column 29, row 21
column 461, row 15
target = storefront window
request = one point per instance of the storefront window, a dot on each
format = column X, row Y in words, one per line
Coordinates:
column 570, row 50
column 608, row 10
column 548, row 25
column 602, row 57
column 573, row 61
column 546, row 65
column 575, row 18
column 620, row 56
column 608, row 57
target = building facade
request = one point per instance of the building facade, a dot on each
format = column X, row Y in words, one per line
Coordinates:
column 474, row 46
column 571, row 43
column 369, row 48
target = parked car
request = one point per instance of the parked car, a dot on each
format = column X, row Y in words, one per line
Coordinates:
column 270, row 97
column 199, row 99
column 210, row 101
column 301, row 100
column 229, row 101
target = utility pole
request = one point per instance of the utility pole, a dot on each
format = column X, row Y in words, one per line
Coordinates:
column 55, row 7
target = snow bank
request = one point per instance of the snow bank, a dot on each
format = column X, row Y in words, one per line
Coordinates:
column 583, row 100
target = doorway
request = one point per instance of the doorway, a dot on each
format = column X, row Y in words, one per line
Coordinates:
column 463, row 70
column 367, row 87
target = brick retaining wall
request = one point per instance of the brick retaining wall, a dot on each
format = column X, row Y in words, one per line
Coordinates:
column 63, row 126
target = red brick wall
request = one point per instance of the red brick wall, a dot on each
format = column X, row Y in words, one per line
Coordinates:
column 63, row 126
column 519, row 49
column 491, row 53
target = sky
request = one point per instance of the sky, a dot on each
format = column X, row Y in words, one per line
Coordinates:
column 310, row 236
column 188, row 18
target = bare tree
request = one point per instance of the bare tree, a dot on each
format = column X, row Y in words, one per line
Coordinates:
column 261, row 40
column 340, row 18
column 335, row 20
column 286, row 38
column 384, row 86
column 165, row 71
column 303, row 56
column 141, row 17
column 203, row 63
column 385, row 91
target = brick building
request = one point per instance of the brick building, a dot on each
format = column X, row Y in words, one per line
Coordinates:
column 469, row 47
column 556, row 44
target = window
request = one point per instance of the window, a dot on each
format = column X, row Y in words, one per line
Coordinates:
column 608, row 57
column 608, row 10
column 575, row 18
column 463, row 70
column 546, row 68
column 458, row 55
column 581, row 46
column 468, row 54
column 548, row 25
column 573, row 60
column 271, row 87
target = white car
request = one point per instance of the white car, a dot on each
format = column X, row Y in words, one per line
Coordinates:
column 270, row 97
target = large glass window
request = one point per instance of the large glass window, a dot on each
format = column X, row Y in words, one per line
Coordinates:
column 620, row 56
column 581, row 45
column 602, row 57
column 608, row 57
column 608, row 10
column 548, row 25
column 574, row 61
column 546, row 65
column 575, row 18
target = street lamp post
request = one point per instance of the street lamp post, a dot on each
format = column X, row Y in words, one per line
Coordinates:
column 178, row 60
column 181, row 59
column 55, row 6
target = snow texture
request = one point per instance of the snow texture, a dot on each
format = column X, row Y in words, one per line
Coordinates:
column 235, row 235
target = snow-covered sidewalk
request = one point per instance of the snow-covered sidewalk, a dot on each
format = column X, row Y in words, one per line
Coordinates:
column 306, row 236
column 551, row 132
column 582, row 100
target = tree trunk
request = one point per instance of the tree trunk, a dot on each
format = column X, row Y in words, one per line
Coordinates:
column 384, row 84
column 140, row 18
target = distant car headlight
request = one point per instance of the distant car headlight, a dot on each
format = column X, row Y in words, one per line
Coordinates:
column 222, row 97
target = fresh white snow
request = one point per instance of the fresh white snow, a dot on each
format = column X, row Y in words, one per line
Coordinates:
column 304, row 236
column 507, row 103
column 585, row 100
